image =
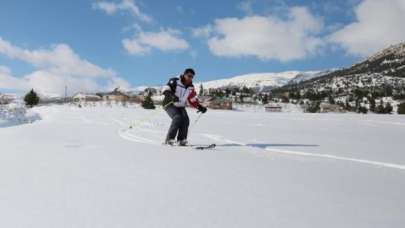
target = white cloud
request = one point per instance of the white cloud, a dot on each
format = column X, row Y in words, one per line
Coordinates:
column 202, row 32
column 379, row 23
column 60, row 59
column 4, row 70
column 134, row 47
column 56, row 68
column 8, row 81
column 108, row 7
column 246, row 6
column 49, row 83
column 266, row 37
column 142, row 42
column 164, row 40
column 125, row 5
column 116, row 82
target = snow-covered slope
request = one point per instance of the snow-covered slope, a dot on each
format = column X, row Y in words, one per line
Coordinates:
column 381, row 73
column 257, row 80
column 85, row 168
column 254, row 80
column 388, row 62
column 397, row 50
column 305, row 76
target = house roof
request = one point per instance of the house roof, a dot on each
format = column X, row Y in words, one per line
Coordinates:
column 272, row 105
column 115, row 92
column 7, row 96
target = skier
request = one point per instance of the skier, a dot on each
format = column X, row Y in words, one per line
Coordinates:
column 177, row 94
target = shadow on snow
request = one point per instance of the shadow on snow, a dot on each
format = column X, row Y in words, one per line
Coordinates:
column 264, row 145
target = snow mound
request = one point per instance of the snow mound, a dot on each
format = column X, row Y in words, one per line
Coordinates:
column 15, row 114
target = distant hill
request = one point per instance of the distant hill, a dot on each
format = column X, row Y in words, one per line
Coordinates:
column 383, row 69
column 261, row 81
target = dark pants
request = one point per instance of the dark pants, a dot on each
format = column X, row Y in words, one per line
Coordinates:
column 180, row 123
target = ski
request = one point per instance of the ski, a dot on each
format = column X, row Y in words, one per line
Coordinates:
column 204, row 147
column 197, row 146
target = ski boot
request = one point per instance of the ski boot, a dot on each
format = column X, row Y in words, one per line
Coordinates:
column 170, row 142
column 182, row 142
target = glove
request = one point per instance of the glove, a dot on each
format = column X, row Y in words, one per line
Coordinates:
column 202, row 109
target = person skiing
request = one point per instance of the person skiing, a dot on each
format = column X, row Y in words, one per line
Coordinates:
column 177, row 94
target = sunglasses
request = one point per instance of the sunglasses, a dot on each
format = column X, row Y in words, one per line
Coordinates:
column 189, row 76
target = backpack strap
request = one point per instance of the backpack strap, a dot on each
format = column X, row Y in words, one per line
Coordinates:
column 173, row 84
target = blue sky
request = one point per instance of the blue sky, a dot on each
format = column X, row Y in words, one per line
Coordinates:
column 144, row 42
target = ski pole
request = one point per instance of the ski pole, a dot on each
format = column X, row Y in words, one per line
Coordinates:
column 167, row 105
column 199, row 116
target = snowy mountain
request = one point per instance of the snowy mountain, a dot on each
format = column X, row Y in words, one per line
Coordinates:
column 389, row 62
column 396, row 51
column 305, row 76
column 382, row 74
column 261, row 80
column 385, row 66
column 255, row 80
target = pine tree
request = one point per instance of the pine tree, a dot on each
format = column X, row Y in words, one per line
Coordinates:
column 31, row 99
column 314, row 107
column 363, row 110
column 227, row 92
column 348, row 107
column 148, row 102
column 388, row 108
column 265, row 99
column 388, row 90
column 357, row 107
column 372, row 104
column 401, row 108
column 201, row 93
column 380, row 108
column 285, row 99
column 331, row 99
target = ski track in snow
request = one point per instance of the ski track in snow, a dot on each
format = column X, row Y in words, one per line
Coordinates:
column 220, row 138
column 133, row 134
column 329, row 156
column 385, row 122
column 307, row 154
column 125, row 134
column 134, row 137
